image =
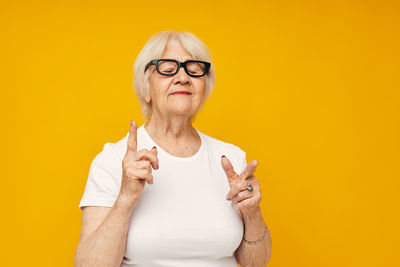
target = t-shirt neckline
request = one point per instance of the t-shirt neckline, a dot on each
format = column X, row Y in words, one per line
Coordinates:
column 161, row 150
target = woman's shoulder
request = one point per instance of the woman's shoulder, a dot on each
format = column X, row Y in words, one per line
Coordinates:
column 113, row 150
column 221, row 147
column 221, row 144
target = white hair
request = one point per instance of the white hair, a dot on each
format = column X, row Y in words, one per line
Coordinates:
column 154, row 49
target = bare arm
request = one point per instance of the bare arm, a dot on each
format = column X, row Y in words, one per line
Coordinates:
column 257, row 255
column 103, row 234
column 104, row 230
column 247, row 200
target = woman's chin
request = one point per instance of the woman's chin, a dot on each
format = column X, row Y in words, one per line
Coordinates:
column 182, row 112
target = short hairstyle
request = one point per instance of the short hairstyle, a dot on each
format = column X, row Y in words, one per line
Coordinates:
column 153, row 49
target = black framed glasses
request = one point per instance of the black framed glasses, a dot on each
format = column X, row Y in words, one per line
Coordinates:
column 170, row 67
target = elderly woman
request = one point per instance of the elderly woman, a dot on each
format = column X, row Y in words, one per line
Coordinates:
column 200, row 206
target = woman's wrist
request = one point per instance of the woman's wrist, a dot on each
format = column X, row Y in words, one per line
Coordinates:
column 252, row 216
column 126, row 202
column 254, row 225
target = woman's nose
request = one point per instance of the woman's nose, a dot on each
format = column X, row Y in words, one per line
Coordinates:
column 182, row 76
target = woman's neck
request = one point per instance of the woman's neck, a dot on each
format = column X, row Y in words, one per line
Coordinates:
column 171, row 130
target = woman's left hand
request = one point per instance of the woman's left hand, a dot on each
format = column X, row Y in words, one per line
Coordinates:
column 246, row 201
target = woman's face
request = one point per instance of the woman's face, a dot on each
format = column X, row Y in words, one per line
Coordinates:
column 162, row 87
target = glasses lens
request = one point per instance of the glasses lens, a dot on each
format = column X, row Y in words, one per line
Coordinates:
column 196, row 68
column 167, row 67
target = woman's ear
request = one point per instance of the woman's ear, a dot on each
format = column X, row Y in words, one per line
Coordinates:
column 147, row 98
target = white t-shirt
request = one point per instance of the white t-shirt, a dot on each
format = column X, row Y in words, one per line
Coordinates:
column 183, row 218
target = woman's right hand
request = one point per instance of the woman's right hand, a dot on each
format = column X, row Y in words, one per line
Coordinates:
column 136, row 166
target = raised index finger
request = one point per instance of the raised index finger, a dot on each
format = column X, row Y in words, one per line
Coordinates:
column 132, row 138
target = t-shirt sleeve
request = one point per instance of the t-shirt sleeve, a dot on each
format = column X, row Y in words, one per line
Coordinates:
column 104, row 180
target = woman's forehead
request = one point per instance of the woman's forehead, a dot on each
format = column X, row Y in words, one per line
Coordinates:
column 175, row 50
column 179, row 58
column 178, row 54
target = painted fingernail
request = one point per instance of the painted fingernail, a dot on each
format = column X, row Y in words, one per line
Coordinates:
column 154, row 147
column 223, row 156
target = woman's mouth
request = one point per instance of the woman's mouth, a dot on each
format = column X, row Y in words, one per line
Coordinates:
column 181, row 93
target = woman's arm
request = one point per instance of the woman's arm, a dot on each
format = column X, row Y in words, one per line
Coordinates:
column 257, row 255
column 105, row 245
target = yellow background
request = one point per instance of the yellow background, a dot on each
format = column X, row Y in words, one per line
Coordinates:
column 308, row 88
